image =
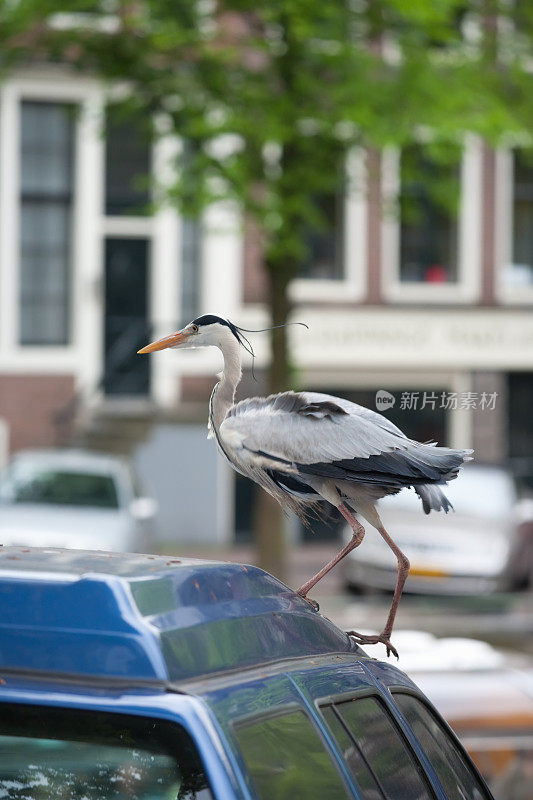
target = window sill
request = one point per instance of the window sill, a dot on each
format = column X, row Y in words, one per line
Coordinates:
column 434, row 293
column 309, row 290
column 46, row 359
column 517, row 296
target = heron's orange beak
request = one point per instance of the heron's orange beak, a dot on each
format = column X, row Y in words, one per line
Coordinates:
column 173, row 340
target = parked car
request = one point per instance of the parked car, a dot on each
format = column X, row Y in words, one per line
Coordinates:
column 68, row 498
column 486, row 695
column 153, row 677
column 467, row 551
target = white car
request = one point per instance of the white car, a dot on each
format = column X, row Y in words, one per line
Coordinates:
column 75, row 499
column 468, row 551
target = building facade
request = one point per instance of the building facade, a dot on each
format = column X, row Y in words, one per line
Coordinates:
column 429, row 308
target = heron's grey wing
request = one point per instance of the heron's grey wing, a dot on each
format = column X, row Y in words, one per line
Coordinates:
column 306, row 428
column 357, row 410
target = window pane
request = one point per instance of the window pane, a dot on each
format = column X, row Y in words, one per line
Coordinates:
column 287, row 759
column 383, row 749
column 455, row 774
column 190, row 269
column 47, row 754
column 34, row 485
column 325, row 244
column 128, row 165
column 46, row 218
column 44, row 255
column 428, row 221
column 360, row 769
column 520, row 271
column 46, row 136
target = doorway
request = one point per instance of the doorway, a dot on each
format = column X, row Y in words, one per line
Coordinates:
column 127, row 327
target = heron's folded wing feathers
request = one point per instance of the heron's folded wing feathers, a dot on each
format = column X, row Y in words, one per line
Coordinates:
column 306, row 428
column 357, row 410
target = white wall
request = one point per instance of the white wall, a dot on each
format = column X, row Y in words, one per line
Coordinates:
column 183, row 471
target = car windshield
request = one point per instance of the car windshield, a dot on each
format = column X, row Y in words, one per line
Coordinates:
column 477, row 491
column 70, row 754
column 35, row 483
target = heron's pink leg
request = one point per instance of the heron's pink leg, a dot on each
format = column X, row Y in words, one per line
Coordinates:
column 355, row 541
column 403, row 572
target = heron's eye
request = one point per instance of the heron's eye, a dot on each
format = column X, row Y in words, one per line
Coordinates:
column 194, row 328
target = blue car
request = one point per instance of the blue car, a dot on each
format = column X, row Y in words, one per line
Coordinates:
column 129, row 677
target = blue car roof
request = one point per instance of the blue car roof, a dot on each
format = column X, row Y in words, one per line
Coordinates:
column 144, row 617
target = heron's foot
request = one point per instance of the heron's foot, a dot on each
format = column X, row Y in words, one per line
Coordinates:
column 313, row 603
column 361, row 638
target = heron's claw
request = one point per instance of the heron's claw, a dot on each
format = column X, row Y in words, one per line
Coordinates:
column 313, row 603
column 361, row 638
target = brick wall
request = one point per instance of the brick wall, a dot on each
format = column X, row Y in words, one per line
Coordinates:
column 374, row 222
column 255, row 286
column 29, row 405
column 197, row 388
column 488, row 226
column 490, row 427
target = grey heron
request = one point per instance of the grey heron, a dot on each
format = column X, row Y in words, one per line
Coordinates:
column 305, row 447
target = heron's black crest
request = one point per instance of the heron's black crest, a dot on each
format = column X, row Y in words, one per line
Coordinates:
column 212, row 319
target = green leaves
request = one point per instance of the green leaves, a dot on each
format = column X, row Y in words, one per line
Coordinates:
column 288, row 83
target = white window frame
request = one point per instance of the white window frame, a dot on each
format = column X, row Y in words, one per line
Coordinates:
column 80, row 356
column 503, row 234
column 355, row 245
column 468, row 286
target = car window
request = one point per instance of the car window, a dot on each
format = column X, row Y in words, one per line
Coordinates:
column 455, row 773
column 362, row 771
column 375, row 750
column 47, row 754
column 287, row 760
column 36, row 484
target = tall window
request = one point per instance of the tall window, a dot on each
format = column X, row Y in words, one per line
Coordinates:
column 191, row 246
column 190, row 268
column 128, row 166
column 325, row 244
column 520, row 271
column 324, row 237
column 428, row 217
column 47, row 132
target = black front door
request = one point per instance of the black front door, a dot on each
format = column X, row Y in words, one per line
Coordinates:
column 126, row 317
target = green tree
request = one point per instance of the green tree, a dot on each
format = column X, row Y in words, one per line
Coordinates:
column 272, row 96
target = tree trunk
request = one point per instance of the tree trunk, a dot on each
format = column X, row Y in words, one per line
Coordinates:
column 269, row 519
column 280, row 307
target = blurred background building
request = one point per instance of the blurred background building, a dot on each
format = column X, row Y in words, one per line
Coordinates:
column 402, row 296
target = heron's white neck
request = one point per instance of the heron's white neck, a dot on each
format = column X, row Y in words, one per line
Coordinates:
column 224, row 392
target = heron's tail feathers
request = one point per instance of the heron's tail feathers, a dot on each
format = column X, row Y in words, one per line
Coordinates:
column 448, row 462
column 439, row 464
column 433, row 498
